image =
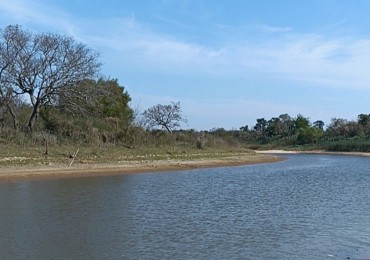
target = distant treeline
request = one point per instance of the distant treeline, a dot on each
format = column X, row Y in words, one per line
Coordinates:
column 103, row 118
column 285, row 131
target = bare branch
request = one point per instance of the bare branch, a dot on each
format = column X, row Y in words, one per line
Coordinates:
column 166, row 116
column 39, row 65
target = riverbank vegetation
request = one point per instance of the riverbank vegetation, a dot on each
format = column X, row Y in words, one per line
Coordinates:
column 299, row 133
column 54, row 103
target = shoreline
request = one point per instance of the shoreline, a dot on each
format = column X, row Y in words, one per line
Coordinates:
column 132, row 167
column 18, row 173
column 364, row 154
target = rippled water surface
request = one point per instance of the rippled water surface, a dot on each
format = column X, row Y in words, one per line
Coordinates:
column 307, row 207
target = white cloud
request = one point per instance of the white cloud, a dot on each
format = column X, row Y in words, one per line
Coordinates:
column 270, row 29
column 338, row 62
column 286, row 55
column 38, row 15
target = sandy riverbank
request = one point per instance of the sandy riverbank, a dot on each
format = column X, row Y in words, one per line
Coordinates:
column 131, row 167
column 312, row 152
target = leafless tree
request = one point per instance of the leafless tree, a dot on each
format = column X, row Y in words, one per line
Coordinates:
column 42, row 64
column 166, row 116
column 12, row 42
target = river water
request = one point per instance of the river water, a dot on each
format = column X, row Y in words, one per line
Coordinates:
column 307, row 207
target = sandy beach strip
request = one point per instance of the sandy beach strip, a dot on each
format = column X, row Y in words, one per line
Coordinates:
column 277, row 152
column 131, row 167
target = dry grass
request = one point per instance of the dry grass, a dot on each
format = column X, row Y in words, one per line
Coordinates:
column 11, row 156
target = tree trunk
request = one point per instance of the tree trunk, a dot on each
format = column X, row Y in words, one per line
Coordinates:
column 46, row 142
column 33, row 117
column 167, row 128
column 14, row 117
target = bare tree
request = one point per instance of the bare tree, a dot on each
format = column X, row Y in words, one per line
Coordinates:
column 12, row 42
column 166, row 116
column 45, row 64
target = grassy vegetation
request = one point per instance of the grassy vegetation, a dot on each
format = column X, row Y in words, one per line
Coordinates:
column 347, row 145
column 105, row 140
column 62, row 154
column 354, row 144
column 28, row 150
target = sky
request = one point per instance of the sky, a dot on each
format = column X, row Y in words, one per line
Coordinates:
column 226, row 62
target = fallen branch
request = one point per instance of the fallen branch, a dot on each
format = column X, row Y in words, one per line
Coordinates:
column 74, row 157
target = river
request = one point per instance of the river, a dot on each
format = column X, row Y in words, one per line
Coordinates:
column 307, row 207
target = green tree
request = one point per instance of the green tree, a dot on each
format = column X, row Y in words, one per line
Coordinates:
column 301, row 122
column 337, row 127
column 92, row 100
column 244, row 128
column 287, row 124
column 261, row 125
column 113, row 100
column 363, row 119
column 274, row 127
column 319, row 125
column 308, row 135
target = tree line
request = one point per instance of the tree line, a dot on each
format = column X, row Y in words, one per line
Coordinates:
column 286, row 131
column 51, row 89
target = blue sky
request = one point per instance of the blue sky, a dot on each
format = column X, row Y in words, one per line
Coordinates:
column 227, row 62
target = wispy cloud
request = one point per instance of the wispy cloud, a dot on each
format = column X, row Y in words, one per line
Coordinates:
column 38, row 14
column 269, row 29
column 313, row 58
column 337, row 62
column 287, row 55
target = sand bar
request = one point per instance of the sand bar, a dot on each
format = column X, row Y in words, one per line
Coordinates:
column 130, row 167
column 312, row 152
